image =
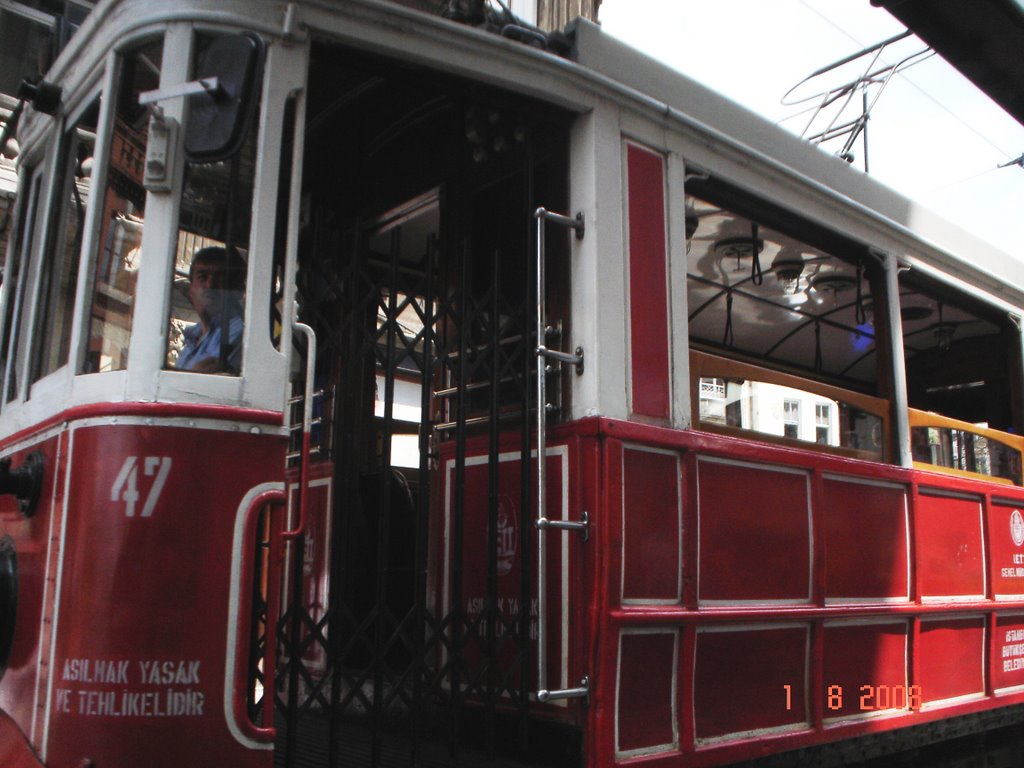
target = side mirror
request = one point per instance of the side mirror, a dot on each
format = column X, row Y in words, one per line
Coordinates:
column 24, row 483
column 218, row 118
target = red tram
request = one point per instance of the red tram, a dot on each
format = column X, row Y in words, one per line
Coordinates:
column 493, row 396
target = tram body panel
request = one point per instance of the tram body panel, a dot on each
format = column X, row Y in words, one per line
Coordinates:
column 568, row 596
column 743, row 654
column 32, row 539
column 139, row 655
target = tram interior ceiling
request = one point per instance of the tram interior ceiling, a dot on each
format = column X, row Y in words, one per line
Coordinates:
column 418, row 280
column 775, row 293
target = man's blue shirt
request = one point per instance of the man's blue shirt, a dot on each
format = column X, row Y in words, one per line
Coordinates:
column 199, row 346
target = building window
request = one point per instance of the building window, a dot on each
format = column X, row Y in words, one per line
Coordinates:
column 822, row 419
column 713, row 403
column 791, row 418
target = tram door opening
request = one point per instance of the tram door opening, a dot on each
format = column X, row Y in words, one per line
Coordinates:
column 409, row 634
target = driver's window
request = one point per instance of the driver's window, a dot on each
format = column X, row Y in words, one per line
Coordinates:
column 209, row 303
column 208, row 296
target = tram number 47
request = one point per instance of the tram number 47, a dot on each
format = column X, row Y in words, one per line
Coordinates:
column 126, row 484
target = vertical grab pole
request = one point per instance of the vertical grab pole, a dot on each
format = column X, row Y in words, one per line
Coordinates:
column 542, row 401
column 543, row 523
column 307, row 426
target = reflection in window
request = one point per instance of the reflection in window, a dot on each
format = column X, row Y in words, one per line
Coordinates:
column 967, row 451
column 773, row 409
column 15, row 271
column 26, row 46
column 52, row 332
column 121, row 225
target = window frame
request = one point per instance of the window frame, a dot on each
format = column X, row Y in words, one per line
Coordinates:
column 104, row 147
column 47, row 385
column 27, row 232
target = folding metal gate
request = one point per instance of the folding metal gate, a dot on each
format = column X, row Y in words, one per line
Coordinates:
column 426, row 361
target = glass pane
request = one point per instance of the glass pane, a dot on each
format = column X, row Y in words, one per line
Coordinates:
column 215, row 291
column 209, row 291
column 964, row 450
column 24, row 49
column 773, row 409
column 121, row 226
column 55, row 314
column 774, row 296
column 15, row 269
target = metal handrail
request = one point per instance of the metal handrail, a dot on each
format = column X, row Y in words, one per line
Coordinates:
column 307, row 423
column 543, row 523
column 235, row 688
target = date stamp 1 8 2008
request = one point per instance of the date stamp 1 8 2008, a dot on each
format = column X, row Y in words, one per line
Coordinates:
column 869, row 698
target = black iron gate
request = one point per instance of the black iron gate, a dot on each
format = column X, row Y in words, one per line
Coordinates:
column 426, row 356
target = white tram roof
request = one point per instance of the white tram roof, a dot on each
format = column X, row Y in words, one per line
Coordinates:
column 602, row 68
column 721, row 121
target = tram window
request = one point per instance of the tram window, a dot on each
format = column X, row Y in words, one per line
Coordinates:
column 792, row 304
column 214, row 218
column 16, row 271
column 966, row 451
column 959, row 355
column 790, row 410
column 962, row 375
column 27, row 40
column 121, row 225
column 54, row 314
column 785, row 330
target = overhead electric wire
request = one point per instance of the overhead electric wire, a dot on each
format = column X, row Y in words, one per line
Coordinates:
column 914, row 85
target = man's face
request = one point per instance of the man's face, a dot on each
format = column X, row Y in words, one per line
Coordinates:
column 208, row 287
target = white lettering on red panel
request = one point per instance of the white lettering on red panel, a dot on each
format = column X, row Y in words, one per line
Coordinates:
column 126, row 484
column 148, row 688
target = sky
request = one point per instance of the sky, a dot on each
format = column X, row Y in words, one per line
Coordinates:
column 932, row 135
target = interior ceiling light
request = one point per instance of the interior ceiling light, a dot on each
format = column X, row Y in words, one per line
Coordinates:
column 833, row 283
column 738, row 248
column 943, row 332
column 944, row 335
column 788, row 268
column 915, row 312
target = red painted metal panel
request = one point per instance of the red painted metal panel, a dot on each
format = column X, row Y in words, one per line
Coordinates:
column 651, row 526
column 648, row 282
column 951, row 658
column 754, row 544
column 864, row 668
column 750, row 679
column 950, row 554
column 36, row 562
column 1006, row 543
column 1008, row 655
column 144, row 613
column 858, row 512
column 15, row 751
column 646, row 705
column 513, row 514
column 728, row 657
column 149, row 410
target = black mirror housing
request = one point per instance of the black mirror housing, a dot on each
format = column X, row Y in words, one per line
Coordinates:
column 218, row 119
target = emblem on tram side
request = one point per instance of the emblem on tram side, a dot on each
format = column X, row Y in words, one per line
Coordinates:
column 1017, row 527
column 508, row 536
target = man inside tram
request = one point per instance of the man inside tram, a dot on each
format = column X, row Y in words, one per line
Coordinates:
column 216, row 285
